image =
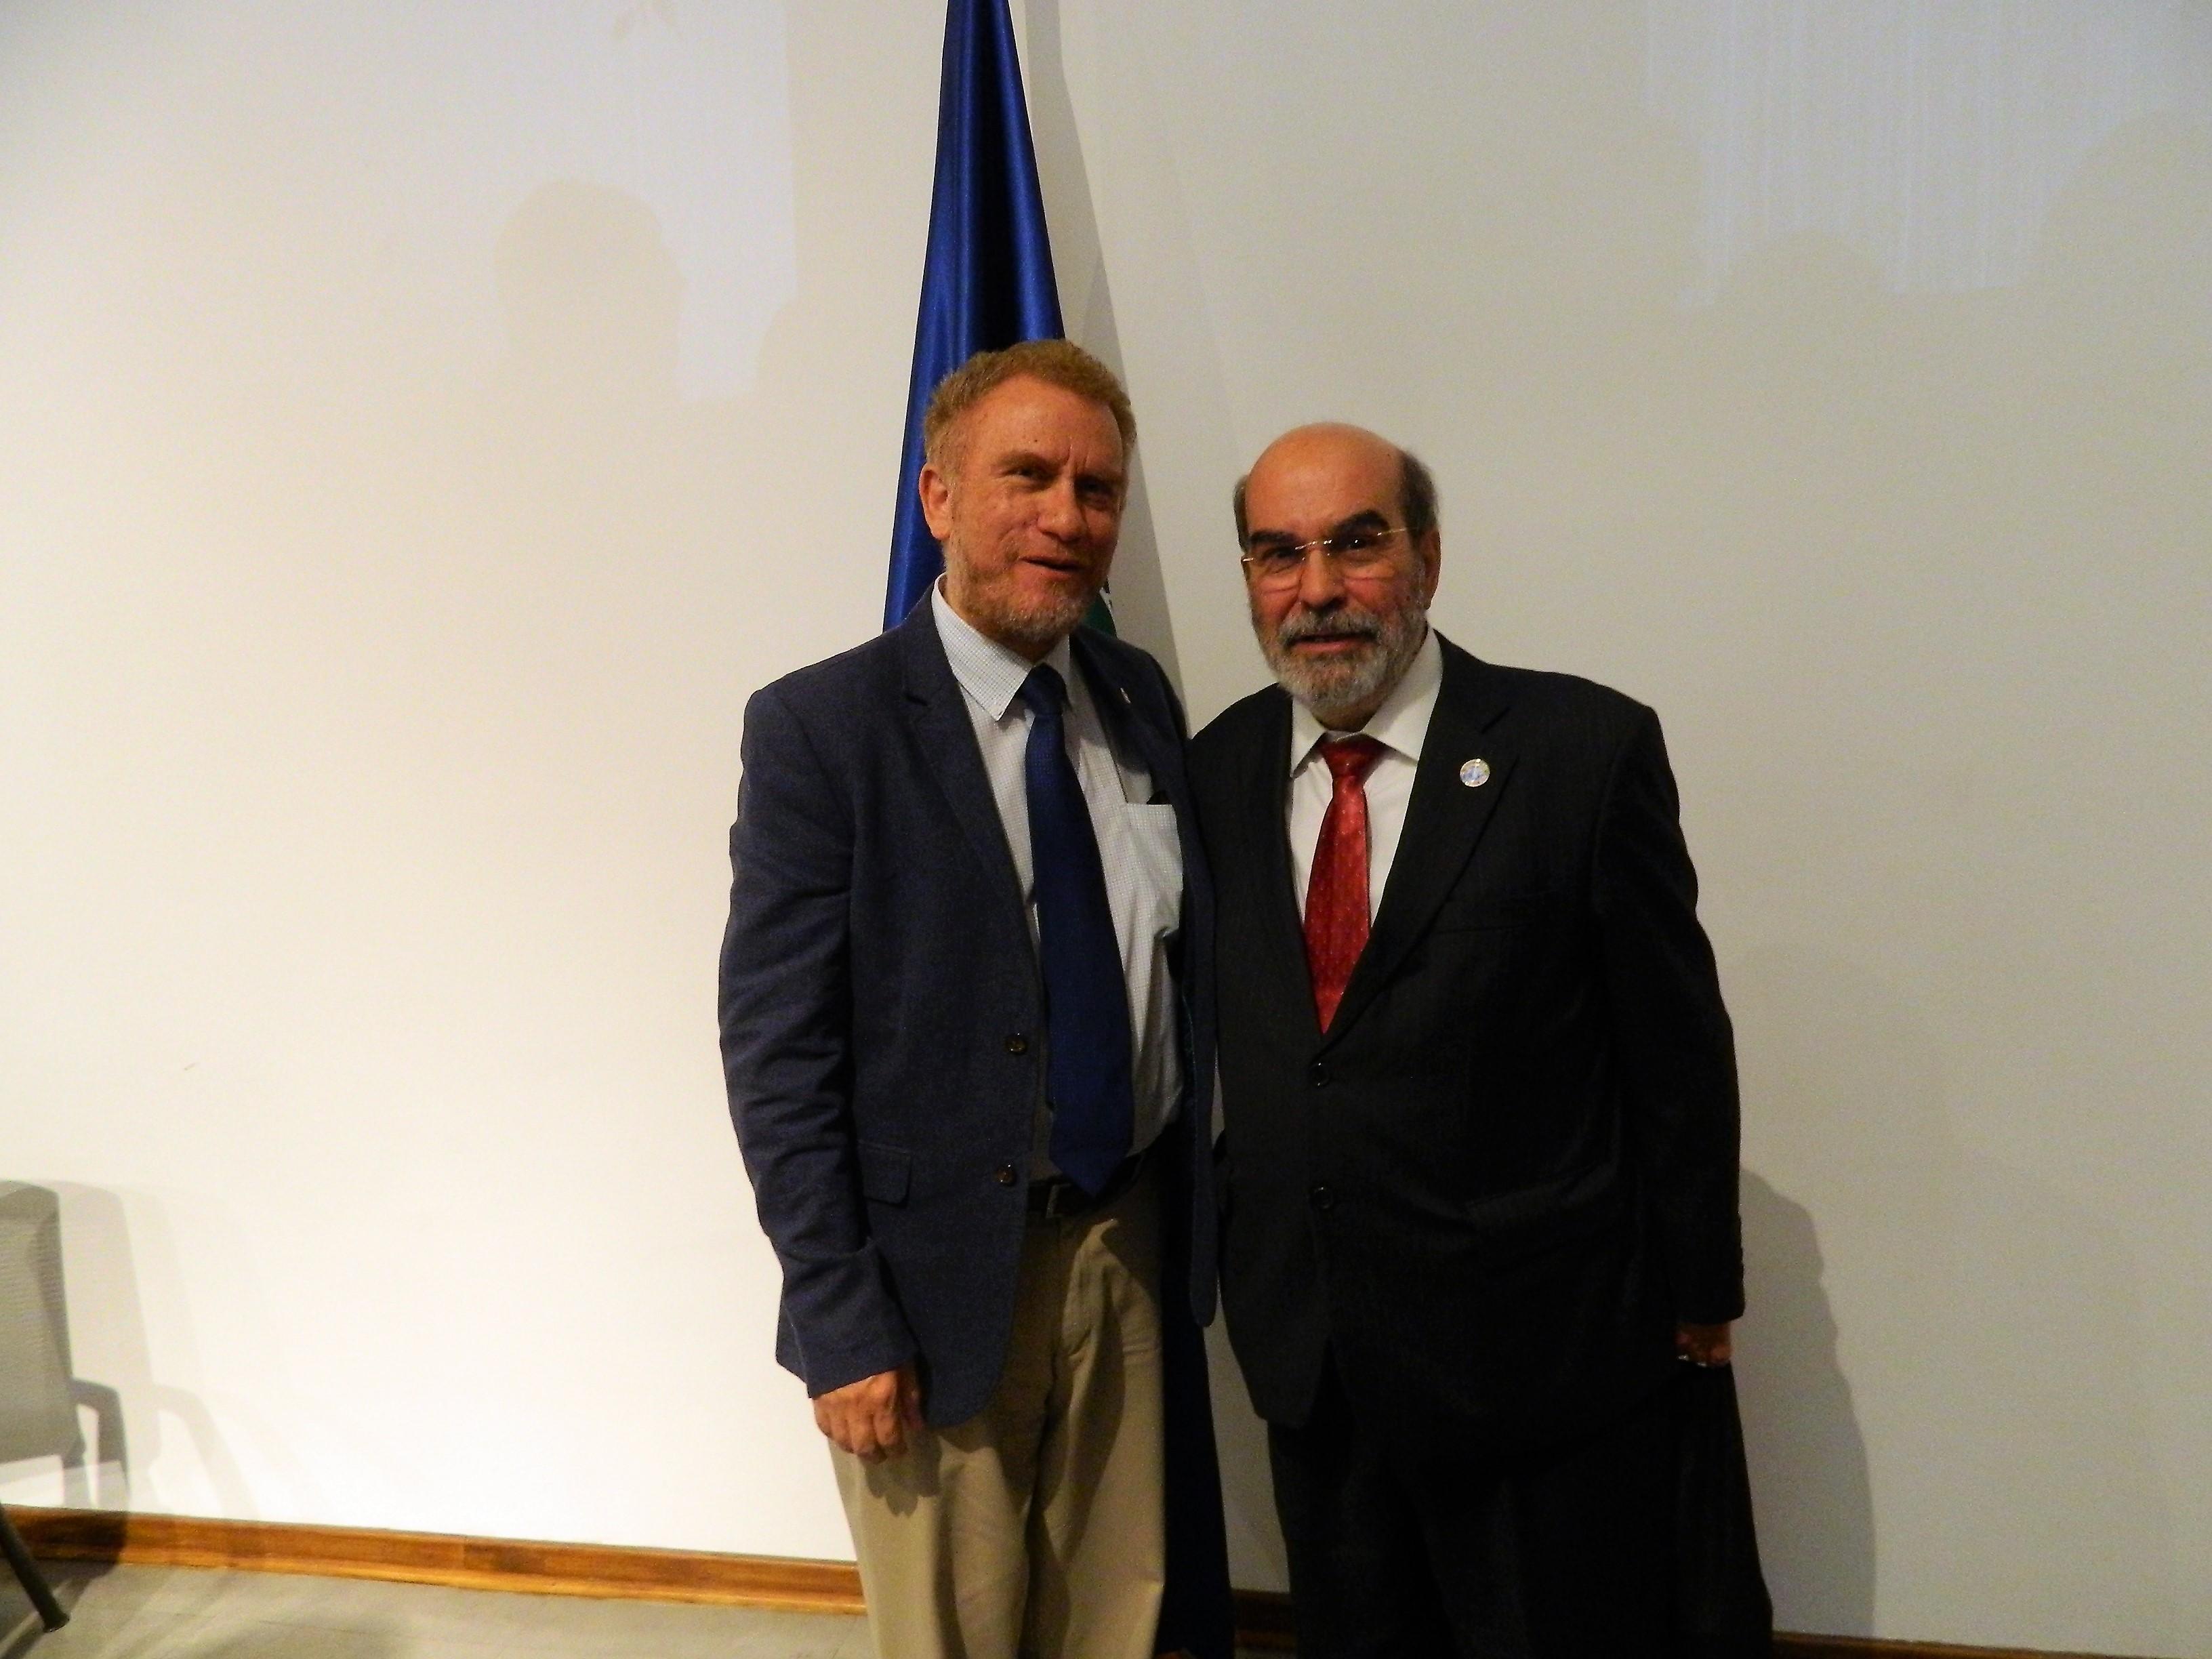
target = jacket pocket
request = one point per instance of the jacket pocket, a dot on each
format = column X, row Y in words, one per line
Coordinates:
column 885, row 1172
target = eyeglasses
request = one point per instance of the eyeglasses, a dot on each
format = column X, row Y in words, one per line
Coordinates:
column 1362, row 552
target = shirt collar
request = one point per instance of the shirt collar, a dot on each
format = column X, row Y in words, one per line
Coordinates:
column 992, row 674
column 1400, row 724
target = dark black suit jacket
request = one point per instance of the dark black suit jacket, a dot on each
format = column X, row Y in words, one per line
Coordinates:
column 880, row 1001
column 1507, row 1168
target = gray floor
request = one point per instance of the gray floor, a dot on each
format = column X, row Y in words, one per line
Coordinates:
column 178, row 1612
column 175, row 1613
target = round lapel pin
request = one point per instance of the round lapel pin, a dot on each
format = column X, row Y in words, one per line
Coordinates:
column 1475, row 772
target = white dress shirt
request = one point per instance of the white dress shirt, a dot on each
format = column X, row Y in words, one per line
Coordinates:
column 1138, row 845
column 1400, row 725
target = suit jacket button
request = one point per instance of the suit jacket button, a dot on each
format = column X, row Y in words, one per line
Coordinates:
column 1008, row 1174
column 1319, row 1073
column 1017, row 1044
column 1322, row 1198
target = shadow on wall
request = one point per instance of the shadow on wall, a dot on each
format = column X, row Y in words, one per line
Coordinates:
column 42, row 1400
column 592, row 564
column 1248, row 1486
column 1947, row 1308
column 71, row 1297
column 1814, row 1503
column 1140, row 598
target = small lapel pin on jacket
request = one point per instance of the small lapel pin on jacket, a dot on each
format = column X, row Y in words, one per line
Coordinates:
column 1475, row 772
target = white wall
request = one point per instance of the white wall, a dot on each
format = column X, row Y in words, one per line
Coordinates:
column 422, row 426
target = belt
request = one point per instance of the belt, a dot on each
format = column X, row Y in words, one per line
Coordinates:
column 1057, row 1199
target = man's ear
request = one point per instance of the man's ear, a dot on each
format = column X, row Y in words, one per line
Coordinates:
column 936, row 491
column 1431, row 552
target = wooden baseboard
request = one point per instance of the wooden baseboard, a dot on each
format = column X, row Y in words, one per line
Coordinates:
column 607, row 1571
column 418, row 1557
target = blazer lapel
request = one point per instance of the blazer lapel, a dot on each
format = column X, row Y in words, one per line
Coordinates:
column 936, row 712
column 1125, row 718
column 1443, row 820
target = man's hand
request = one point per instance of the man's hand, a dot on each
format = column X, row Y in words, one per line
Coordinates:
column 870, row 1417
column 1702, row 1345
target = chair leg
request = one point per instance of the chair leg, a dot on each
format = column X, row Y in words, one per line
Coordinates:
column 50, row 1612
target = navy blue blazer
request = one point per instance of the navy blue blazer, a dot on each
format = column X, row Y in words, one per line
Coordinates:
column 880, row 1001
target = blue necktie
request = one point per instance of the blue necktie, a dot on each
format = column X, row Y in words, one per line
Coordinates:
column 1086, row 1000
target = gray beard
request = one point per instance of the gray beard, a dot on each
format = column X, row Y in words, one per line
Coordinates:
column 1037, row 629
column 1347, row 684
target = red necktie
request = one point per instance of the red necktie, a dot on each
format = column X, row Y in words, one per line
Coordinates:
column 1336, row 893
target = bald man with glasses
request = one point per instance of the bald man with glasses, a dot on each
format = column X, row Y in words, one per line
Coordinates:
column 1478, row 1170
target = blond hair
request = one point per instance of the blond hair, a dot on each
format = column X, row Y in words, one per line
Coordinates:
column 1056, row 363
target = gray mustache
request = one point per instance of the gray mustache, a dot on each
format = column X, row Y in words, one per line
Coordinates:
column 1307, row 623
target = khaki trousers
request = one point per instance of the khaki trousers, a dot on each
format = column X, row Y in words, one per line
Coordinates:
column 1035, row 1530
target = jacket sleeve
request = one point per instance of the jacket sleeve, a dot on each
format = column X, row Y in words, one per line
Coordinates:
column 1676, row 1047
column 787, row 1050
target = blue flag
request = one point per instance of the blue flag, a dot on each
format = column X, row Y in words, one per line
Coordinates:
column 988, row 280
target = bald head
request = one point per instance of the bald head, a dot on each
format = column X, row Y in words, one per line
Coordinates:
column 1334, row 443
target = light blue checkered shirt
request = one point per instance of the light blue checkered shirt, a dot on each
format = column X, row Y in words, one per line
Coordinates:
column 1137, row 844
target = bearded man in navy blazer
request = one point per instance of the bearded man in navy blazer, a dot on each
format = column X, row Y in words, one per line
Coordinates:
column 965, row 1007
column 1479, row 1163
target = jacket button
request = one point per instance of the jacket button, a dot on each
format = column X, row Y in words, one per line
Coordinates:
column 1008, row 1174
column 1322, row 1197
column 1319, row 1073
column 1017, row 1044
